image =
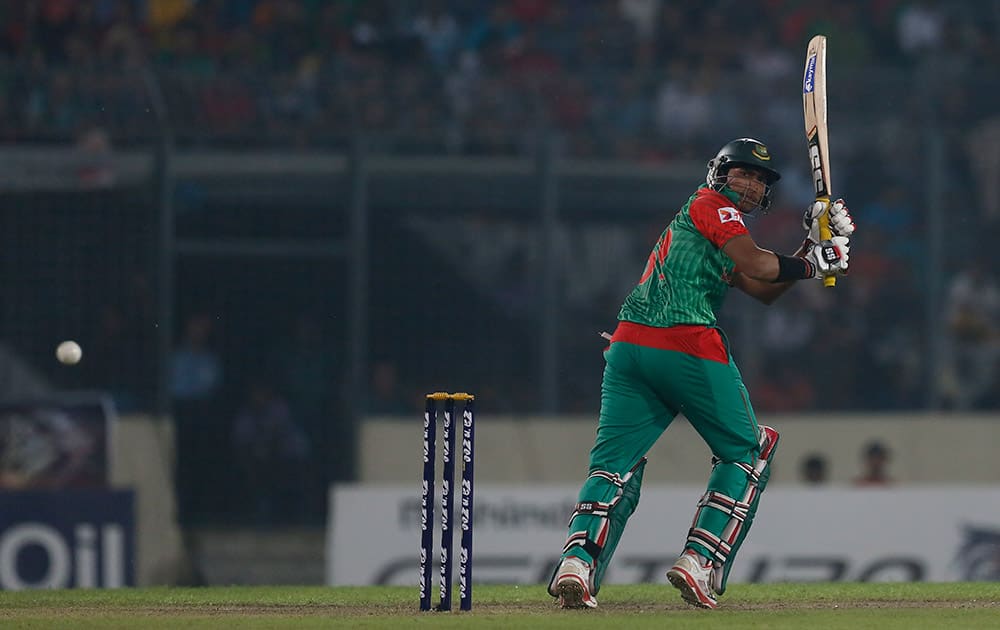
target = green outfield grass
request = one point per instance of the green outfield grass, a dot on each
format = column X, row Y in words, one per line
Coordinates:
column 772, row 606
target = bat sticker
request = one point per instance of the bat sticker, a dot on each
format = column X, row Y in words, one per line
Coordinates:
column 808, row 83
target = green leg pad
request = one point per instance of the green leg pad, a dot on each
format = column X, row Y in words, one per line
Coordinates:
column 727, row 479
column 761, row 484
column 617, row 518
column 602, row 490
column 736, row 481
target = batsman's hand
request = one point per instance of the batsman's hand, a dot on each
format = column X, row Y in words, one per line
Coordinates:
column 829, row 258
column 841, row 223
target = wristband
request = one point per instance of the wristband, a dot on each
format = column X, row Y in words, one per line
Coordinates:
column 793, row 268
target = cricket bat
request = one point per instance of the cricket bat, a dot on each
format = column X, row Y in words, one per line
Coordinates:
column 814, row 113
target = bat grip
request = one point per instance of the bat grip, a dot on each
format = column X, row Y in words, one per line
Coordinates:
column 825, row 234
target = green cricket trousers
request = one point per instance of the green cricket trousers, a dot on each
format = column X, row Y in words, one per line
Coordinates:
column 642, row 391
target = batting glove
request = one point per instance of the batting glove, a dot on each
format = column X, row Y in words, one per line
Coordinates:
column 829, row 258
column 841, row 223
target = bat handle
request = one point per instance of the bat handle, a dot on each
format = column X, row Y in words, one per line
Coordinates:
column 825, row 234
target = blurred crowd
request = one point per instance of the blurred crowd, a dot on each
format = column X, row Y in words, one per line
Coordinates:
column 637, row 79
column 640, row 80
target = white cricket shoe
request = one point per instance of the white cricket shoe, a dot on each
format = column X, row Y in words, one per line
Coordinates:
column 692, row 576
column 572, row 584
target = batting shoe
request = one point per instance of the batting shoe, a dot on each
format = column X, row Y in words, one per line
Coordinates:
column 572, row 584
column 692, row 576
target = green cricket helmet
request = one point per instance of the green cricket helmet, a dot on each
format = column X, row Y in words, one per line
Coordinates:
column 742, row 152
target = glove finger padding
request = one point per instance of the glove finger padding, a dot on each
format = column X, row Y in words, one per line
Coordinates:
column 841, row 222
column 844, row 244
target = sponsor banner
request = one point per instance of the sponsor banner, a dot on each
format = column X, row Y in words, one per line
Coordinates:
column 836, row 534
column 55, row 443
column 66, row 539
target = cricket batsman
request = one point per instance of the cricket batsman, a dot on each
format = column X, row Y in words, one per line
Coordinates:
column 668, row 355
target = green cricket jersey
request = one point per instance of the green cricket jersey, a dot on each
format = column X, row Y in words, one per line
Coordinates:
column 686, row 277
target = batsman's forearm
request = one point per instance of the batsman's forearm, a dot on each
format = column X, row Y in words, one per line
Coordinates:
column 774, row 290
column 751, row 260
column 765, row 292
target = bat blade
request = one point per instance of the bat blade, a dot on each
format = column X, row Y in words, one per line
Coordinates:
column 817, row 134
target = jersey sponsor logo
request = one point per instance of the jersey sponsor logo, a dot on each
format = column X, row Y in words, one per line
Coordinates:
column 729, row 213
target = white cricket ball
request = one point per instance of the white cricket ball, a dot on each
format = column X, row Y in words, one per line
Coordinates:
column 69, row 353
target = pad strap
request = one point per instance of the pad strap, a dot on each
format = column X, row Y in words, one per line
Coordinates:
column 601, row 510
column 593, row 507
column 737, row 510
column 719, row 548
column 727, row 505
column 614, row 478
column 753, row 471
column 579, row 539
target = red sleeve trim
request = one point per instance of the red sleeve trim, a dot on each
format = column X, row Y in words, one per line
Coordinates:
column 718, row 223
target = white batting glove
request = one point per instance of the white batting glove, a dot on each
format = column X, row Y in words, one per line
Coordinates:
column 841, row 223
column 829, row 258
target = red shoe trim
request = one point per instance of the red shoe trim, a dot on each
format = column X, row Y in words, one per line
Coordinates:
column 694, row 587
